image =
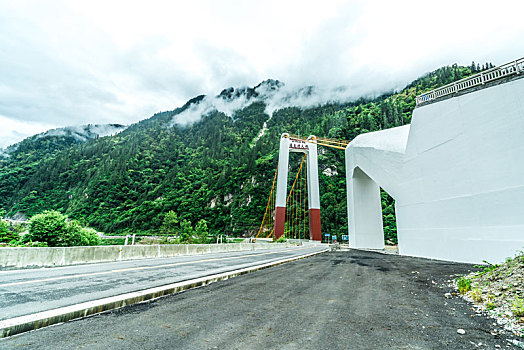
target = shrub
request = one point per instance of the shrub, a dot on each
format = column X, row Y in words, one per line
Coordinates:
column 6, row 235
column 52, row 229
column 80, row 236
column 49, row 227
column 281, row 239
column 518, row 307
column 464, row 285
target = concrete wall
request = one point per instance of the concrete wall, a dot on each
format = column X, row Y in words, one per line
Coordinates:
column 62, row 256
column 457, row 178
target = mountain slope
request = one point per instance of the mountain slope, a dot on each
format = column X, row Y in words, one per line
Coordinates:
column 203, row 163
column 19, row 162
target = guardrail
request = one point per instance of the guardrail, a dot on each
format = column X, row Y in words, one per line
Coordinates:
column 511, row 68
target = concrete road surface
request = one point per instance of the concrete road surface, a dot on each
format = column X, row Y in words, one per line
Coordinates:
column 24, row 292
column 336, row 300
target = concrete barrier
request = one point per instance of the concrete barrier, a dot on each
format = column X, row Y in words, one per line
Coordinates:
column 19, row 257
column 42, row 319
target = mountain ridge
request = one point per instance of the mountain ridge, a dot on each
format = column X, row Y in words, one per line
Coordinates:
column 216, row 166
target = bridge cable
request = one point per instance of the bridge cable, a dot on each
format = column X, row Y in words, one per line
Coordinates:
column 269, row 202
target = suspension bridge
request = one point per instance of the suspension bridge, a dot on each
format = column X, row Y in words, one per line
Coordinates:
column 296, row 214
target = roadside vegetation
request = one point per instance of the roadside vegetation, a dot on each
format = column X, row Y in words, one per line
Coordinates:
column 498, row 290
column 53, row 229
column 48, row 229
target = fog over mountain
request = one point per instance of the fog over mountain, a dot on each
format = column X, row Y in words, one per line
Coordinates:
column 273, row 93
column 83, row 133
column 79, row 133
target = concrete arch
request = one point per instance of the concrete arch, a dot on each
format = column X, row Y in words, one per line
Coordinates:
column 365, row 209
column 373, row 160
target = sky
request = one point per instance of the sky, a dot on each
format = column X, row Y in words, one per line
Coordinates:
column 65, row 63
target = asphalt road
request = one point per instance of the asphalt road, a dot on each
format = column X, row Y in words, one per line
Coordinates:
column 24, row 292
column 342, row 300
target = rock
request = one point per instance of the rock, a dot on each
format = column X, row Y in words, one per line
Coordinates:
column 517, row 343
column 461, row 331
column 447, row 295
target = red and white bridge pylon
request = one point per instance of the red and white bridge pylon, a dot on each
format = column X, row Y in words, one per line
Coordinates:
column 309, row 147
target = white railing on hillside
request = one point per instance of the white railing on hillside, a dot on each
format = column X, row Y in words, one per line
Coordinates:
column 511, row 68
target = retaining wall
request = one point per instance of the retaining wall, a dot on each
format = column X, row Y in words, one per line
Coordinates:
column 62, row 256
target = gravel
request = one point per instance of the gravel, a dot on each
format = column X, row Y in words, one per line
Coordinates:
column 497, row 291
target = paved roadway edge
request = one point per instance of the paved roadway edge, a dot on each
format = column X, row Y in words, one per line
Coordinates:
column 38, row 320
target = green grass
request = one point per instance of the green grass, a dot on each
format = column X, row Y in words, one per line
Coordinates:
column 476, row 295
column 464, row 285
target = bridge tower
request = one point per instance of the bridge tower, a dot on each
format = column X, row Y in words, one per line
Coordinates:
column 309, row 147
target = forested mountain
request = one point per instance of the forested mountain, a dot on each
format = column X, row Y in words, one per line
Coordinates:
column 199, row 162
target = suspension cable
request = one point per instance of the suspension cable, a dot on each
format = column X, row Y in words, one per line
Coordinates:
column 294, row 224
column 268, row 202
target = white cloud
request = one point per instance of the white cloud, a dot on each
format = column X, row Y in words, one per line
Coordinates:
column 274, row 94
column 209, row 104
column 12, row 131
column 78, row 62
column 83, row 133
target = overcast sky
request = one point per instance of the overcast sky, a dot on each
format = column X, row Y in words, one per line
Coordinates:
column 79, row 62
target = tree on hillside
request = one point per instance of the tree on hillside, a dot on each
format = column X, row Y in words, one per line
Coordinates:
column 170, row 223
column 186, row 231
column 201, row 231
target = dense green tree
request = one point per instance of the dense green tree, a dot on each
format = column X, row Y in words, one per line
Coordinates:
column 170, row 224
column 186, row 231
column 201, row 232
column 5, row 234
